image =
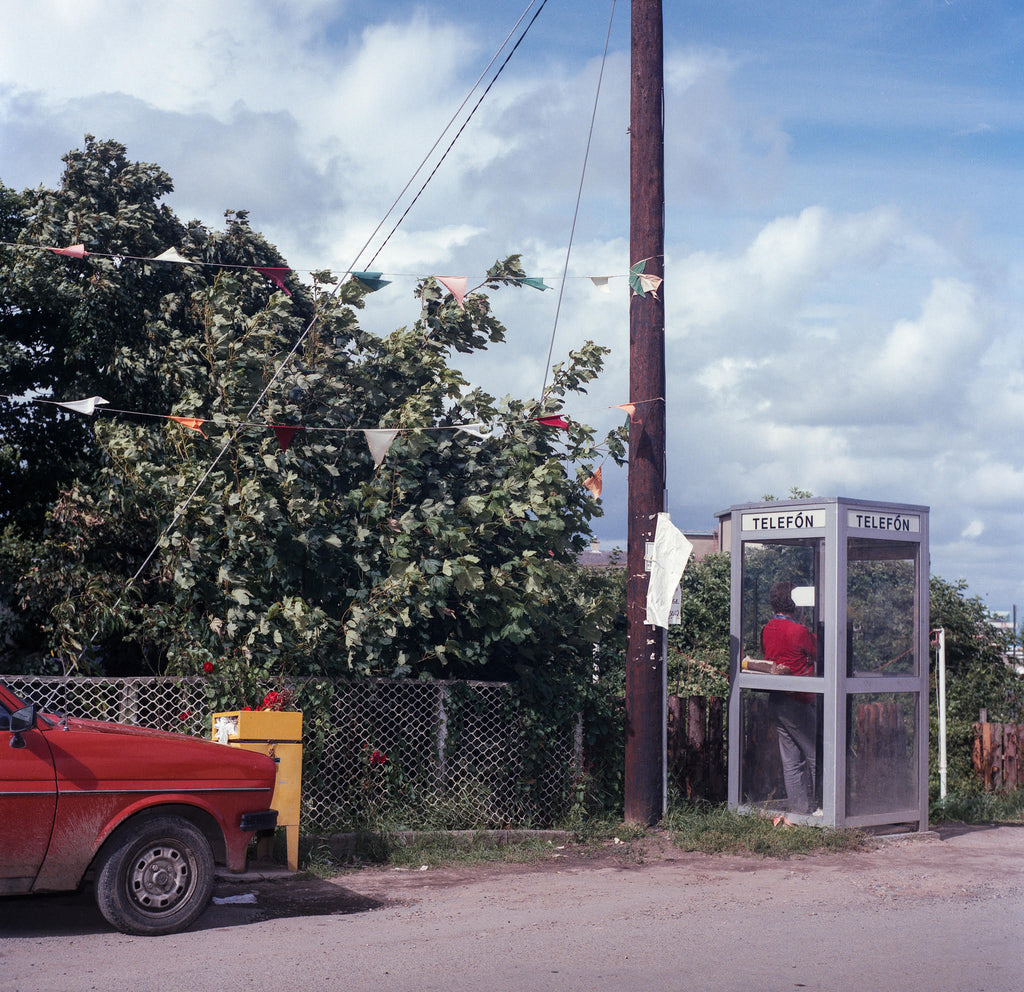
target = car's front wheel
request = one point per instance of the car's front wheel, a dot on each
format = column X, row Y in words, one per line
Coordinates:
column 156, row 876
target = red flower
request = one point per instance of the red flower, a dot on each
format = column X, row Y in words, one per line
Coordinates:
column 207, row 667
column 378, row 758
column 185, row 715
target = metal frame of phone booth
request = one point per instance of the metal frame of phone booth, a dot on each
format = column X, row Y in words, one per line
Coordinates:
column 859, row 569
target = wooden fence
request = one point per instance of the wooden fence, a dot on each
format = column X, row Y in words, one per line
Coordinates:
column 696, row 747
column 999, row 755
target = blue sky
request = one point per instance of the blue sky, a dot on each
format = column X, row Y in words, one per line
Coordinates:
column 844, row 269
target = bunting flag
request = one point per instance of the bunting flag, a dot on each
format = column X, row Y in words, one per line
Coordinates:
column 477, row 430
column 192, row 423
column 456, row 285
column 285, row 434
column 553, row 422
column 371, row 280
column 379, row 441
column 642, row 282
column 630, row 408
column 72, row 251
column 171, row 255
column 276, row 275
column 88, row 406
column 595, row 483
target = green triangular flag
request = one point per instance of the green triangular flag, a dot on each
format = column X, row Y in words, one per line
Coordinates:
column 371, row 280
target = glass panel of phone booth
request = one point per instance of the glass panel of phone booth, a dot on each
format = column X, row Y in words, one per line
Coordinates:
column 797, row 561
column 881, row 753
column 770, row 775
column 881, row 600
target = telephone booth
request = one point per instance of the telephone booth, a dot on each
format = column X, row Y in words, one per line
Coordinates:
column 844, row 743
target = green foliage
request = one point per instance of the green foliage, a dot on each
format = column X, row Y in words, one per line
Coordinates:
column 698, row 648
column 71, row 328
column 977, row 677
column 718, row 830
column 168, row 551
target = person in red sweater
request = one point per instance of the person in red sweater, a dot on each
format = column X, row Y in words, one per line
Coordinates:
column 793, row 650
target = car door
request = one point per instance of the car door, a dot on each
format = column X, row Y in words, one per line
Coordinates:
column 28, row 800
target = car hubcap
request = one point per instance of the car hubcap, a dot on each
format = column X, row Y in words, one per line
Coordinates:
column 160, row 878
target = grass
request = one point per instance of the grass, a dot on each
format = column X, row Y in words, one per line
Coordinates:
column 693, row 827
column 714, row 829
column 972, row 805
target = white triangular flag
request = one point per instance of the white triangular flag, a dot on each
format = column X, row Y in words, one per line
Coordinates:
column 88, row 407
column 668, row 562
column 601, row 282
column 171, row 255
column 379, row 442
column 477, row 430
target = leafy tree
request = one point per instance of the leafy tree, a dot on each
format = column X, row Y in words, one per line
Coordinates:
column 698, row 656
column 169, row 551
column 71, row 328
column 977, row 675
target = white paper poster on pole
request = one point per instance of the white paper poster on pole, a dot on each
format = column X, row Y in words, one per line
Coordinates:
column 668, row 562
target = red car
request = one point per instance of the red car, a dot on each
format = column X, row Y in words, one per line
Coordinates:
column 146, row 813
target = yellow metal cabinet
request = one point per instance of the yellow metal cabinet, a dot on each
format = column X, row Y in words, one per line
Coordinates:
column 279, row 735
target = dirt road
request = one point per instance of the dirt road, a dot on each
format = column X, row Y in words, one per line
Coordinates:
column 927, row 915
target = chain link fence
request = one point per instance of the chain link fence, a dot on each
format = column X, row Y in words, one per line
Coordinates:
column 455, row 755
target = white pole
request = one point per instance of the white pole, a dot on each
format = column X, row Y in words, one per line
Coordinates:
column 942, row 712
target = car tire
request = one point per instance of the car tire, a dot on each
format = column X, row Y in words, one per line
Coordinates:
column 155, row 877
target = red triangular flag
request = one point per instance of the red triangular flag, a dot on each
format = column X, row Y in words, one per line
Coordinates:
column 193, row 423
column 553, row 422
column 74, row 251
column 594, row 483
column 456, row 285
column 275, row 274
column 285, row 434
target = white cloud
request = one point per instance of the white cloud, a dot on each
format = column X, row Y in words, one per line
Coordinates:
column 973, row 530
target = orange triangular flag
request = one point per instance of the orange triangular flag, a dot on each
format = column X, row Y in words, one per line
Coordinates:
column 630, row 408
column 285, row 434
column 193, row 423
column 74, row 251
column 456, row 285
column 594, row 483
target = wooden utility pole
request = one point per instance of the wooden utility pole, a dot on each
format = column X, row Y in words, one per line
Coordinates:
column 645, row 653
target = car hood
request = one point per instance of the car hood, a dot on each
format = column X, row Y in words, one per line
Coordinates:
column 92, row 752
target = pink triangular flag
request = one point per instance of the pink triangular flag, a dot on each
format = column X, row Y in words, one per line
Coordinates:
column 630, row 408
column 275, row 274
column 285, row 434
column 553, row 422
column 88, row 406
column 171, row 255
column 192, row 423
column 379, row 442
column 594, row 483
column 73, row 251
column 456, row 285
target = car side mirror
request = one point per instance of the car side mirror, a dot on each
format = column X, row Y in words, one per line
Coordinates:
column 22, row 720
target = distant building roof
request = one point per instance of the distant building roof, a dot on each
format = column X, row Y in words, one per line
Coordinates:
column 704, row 543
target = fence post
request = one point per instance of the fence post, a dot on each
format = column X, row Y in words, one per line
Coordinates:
column 442, row 734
